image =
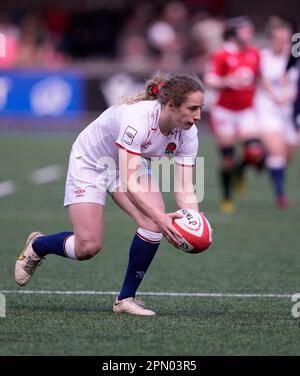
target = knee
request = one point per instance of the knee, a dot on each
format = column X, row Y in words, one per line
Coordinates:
column 146, row 223
column 228, row 157
column 86, row 249
column 276, row 161
column 254, row 152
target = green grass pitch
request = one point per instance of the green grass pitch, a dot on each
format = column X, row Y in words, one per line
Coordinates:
column 254, row 251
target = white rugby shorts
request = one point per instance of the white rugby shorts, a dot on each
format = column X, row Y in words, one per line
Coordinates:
column 89, row 183
column 229, row 123
column 274, row 119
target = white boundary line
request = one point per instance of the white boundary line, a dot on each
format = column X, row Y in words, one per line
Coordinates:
column 43, row 175
column 184, row 294
column 47, row 174
column 7, row 188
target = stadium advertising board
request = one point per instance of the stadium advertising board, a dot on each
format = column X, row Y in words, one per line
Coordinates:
column 41, row 93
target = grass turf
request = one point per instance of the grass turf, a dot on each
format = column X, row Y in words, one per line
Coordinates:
column 254, row 251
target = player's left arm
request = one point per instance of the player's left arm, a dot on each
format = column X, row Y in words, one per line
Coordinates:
column 184, row 189
column 264, row 81
column 137, row 193
column 185, row 159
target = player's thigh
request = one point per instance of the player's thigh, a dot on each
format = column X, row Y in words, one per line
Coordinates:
column 87, row 221
column 85, row 200
column 223, row 126
column 248, row 126
column 151, row 195
column 274, row 142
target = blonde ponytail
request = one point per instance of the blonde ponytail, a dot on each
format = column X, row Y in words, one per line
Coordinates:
column 150, row 93
column 164, row 88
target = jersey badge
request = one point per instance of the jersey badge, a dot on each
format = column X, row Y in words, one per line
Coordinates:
column 171, row 147
column 129, row 135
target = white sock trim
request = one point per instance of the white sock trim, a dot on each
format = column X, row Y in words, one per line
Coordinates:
column 70, row 247
column 149, row 236
column 276, row 161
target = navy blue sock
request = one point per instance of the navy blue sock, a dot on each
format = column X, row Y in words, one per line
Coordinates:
column 140, row 257
column 226, row 176
column 277, row 176
column 48, row 244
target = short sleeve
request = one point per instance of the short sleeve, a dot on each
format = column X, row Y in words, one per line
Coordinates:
column 262, row 64
column 216, row 65
column 188, row 150
column 133, row 130
column 258, row 62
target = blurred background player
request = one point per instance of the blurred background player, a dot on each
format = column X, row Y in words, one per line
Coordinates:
column 147, row 125
column 274, row 102
column 233, row 72
column 294, row 63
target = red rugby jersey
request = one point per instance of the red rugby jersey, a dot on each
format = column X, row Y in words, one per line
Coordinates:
column 242, row 63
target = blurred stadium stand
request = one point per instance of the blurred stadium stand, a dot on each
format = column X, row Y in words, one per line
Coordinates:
column 65, row 60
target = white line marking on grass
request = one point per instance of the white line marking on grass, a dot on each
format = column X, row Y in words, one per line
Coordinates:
column 7, row 188
column 47, row 174
column 188, row 294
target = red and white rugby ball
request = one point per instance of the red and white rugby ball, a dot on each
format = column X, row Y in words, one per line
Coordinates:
column 195, row 230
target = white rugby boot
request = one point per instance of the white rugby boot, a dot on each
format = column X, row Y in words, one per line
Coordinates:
column 132, row 306
column 28, row 261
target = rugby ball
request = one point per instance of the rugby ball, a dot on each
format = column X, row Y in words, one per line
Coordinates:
column 195, row 230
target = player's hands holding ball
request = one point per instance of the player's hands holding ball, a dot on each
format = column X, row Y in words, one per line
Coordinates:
column 165, row 222
column 195, row 231
column 187, row 229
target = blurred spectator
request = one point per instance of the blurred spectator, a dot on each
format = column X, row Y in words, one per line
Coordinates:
column 134, row 53
column 10, row 41
column 32, row 30
column 140, row 35
column 176, row 35
column 138, row 18
column 206, row 38
column 207, row 35
column 57, row 19
column 48, row 55
column 167, row 35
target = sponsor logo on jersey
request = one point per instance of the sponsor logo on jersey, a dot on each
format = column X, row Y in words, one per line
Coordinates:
column 146, row 144
column 171, row 147
column 129, row 135
column 79, row 192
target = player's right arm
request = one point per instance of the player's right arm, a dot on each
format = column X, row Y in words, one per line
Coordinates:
column 282, row 96
column 216, row 76
column 185, row 160
column 130, row 165
column 133, row 133
column 267, row 86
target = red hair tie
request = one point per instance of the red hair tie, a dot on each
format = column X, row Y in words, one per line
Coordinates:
column 157, row 87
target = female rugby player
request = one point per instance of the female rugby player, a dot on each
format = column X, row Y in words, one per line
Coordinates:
column 110, row 155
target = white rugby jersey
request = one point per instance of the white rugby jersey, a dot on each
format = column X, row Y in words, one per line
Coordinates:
column 135, row 128
column 272, row 68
